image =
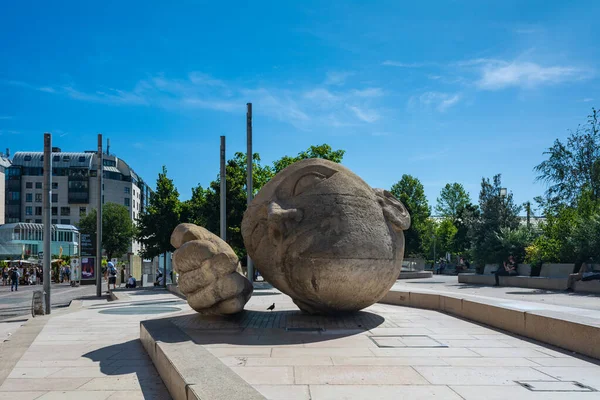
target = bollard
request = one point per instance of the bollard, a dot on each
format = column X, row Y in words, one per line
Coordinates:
column 37, row 303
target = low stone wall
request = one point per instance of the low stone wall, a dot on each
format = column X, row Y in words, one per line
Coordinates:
column 556, row 270
column 530, row 282
column 587, row 287
column 415, row 274
column 573, row 333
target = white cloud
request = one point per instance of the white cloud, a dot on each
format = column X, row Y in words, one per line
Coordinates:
column 438, row 100
column 304, row 108
column 587, row 100
column 321, row 96
column 368, row 92
column 391, row 63
column 500, row 75
column 337, row 77
column 5, row 117
column 365, row 115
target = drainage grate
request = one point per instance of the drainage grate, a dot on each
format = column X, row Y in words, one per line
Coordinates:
column 555, row 386
column 401, row 341
column 316, row 330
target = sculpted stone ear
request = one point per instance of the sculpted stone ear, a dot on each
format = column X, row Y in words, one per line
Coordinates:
column 393, row 210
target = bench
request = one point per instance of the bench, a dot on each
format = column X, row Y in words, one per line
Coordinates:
column 587, row 286
column 552, row 277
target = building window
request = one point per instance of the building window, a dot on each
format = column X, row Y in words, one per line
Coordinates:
column 38, row 185
column 29, row 185
column 65, row 221
column 28, row 210
column 27, row 158
column 38, row 211
column 127, row 201
column 54, row 185
column 127, row 190
column 38, row 221
column 82, row 211
column 28, row 221
column 55, row 197
column 54, row 210
column 65, row 211
column 55, row 221
column 56, row 158
column 38, row 197
column 28, row 197
column 82, row 159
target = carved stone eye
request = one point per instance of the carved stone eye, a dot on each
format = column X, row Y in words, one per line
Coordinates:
column 308, row 181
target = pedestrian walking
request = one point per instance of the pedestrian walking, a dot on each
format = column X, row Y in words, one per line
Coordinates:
column 112, row 275
column 4, row 276
column 14, row 279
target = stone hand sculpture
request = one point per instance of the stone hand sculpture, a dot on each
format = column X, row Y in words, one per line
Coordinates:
column 323, row 236
column 210, row 274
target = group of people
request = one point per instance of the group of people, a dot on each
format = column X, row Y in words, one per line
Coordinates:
column 31, row 276
column 461, row 266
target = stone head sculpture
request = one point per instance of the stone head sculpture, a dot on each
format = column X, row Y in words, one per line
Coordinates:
column 323, row 236
column 210, row 274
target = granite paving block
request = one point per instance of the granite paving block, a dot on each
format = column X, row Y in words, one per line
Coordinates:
column 266, row 375
column 284, row 392
column 479, row 376
column 379, row 392
column 358, row 374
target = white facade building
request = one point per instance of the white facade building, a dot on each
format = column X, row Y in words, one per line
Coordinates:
column 74, row 188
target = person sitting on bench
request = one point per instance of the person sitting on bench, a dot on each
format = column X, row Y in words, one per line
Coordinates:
column 510, row 269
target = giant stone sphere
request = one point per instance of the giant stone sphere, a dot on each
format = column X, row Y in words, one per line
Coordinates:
column 323, row 236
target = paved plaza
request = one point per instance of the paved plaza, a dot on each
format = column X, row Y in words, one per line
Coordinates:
column 92, row 350
column 449, row 284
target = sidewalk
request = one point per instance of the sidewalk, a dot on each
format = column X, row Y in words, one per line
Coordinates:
column 91, row 351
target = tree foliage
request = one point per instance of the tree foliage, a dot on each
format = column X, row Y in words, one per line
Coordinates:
column 323, row 151
column 118, row 229
column 159, row 219
column 573, row 167
column 409, row 190
column 497, row 213
column 453, row 199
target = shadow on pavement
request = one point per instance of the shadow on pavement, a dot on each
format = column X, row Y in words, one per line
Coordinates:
column 265, row 328
column 130, row 359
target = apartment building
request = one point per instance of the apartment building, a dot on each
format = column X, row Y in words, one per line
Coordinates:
column 74, row 187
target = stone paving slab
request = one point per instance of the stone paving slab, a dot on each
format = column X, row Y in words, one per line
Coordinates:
column 434, row 355
column 83, row 353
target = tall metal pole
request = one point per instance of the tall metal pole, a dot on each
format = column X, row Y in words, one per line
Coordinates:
column 249, row 177
column 223, row 192
column 98, row 266
column 47, row 198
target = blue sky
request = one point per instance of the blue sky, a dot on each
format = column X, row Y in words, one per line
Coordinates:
column 448, row 91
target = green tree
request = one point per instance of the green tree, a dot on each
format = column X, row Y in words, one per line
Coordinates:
column 497, row 212
column 453, row 198
column 573, row 166
column 118, row 229
column 159, row 219
column 409, row 190
column 323, row 151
